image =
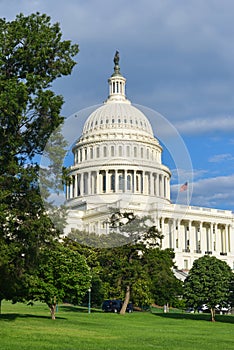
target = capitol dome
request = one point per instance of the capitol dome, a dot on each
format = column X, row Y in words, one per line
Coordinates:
column 117, row 154
column 121, row 115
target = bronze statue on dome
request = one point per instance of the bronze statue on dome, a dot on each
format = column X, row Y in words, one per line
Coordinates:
column 116, row 58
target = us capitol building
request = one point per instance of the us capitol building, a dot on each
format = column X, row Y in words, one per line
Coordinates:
column 117, row 164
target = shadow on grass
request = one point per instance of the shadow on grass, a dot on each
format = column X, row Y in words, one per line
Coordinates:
column 13, row 317
column 196, row 316
column 72, row 308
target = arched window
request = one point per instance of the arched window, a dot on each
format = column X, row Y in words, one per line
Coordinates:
column 128, row 151
column 129, row 182
column 142, row 152
column 91, row 152
column 112, row 151
column 135, row 152
column 104, row 151
column 121, row 182
column 98, row 152
column 120, row 151
column 147, row 153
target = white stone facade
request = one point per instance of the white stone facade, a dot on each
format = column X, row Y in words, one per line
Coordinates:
column 117, row 163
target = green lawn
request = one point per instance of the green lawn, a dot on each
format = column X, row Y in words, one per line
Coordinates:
column 30, row 327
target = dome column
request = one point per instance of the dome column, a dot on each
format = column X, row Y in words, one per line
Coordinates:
column 98, row 182
column 116, row 181
column 151, row 184
column 75, row 187
column 82, row 184
column 107, row 181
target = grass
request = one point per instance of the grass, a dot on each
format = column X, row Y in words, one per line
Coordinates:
column 30, row 327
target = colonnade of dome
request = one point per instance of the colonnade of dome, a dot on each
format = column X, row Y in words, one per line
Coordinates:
column 90, row 182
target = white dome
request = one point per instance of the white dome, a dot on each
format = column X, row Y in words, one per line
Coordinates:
column 117, row 115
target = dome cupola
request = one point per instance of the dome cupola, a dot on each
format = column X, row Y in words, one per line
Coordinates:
column 117, row 84
column 117, row 113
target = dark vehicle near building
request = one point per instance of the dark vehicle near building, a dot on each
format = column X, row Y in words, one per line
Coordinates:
column 115, row 306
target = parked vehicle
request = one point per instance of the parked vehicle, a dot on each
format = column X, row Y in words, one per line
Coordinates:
column 115, row 306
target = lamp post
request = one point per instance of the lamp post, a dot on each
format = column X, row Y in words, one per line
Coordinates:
column 89, row 304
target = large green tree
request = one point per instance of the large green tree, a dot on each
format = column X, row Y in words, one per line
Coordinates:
column 209, row 282
column 62, row 275
column 32, row 56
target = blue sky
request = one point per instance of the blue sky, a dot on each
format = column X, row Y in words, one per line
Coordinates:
column 178, row 58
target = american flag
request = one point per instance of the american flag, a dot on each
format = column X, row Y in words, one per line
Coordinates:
column 184, row 187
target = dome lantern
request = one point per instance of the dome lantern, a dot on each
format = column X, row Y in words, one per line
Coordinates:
column 117, row 84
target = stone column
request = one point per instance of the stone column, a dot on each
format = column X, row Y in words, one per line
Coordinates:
column 143, row 182
column 134, row 182
column 70, row 189
column 107, row 181
column 98, row 182
column 179, row 236
column 211, row 237
column 82, row 184
column 160, row 186
column 75, row 194
column 91, row 183
column 116, row 181
column 174, row 234
column 192, row 245
column 203, row 239
column 226, row 238
column 168, row 188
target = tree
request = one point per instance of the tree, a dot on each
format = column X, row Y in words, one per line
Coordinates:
column 124, row 265
column 164, row 286
column 91, row 256
column 62, row 275
column 209, row 283
column 32, row 56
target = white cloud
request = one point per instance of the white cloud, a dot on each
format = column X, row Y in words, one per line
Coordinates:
column 221, row 158
column 205, row 125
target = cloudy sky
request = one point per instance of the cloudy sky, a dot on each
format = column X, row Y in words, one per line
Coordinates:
column 178, row 58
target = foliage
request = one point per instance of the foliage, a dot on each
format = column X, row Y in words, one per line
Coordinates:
column 208, row 283
column 98, row 289
column 32, row 56
column 113, row 239
column 62, row 275
column 165, row 287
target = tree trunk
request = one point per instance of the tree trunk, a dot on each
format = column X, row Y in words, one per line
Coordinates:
column 126, row 301
column 52, row 307
column 52, row 311
column 212, row 311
